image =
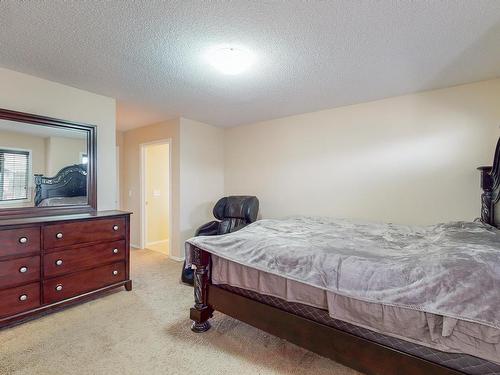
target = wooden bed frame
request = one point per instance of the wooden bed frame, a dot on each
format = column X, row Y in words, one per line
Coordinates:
column 71, row 181
column 490, row 183
column 358, row 353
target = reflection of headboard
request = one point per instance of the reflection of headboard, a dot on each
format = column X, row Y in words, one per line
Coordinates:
column 70, row 181
column 490, row 183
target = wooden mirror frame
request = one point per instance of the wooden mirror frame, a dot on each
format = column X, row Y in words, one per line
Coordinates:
column 91, row 205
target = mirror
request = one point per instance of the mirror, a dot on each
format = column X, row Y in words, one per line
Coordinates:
column 45, row 164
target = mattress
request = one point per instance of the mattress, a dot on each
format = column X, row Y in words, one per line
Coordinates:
column 441, row 333
column 457, row 361
column 448, row 269
column 63, row 201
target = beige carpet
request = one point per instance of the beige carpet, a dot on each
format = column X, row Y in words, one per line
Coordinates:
column 161, row 247
column 146, row 332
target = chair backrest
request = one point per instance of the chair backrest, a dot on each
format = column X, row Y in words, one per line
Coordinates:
column 236, row 211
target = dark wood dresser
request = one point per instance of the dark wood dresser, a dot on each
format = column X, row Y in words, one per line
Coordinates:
column 54, row 261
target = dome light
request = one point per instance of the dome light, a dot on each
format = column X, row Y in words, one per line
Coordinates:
column 230, row 60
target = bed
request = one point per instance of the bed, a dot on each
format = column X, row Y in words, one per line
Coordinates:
column 68, row 187
column 380, row 298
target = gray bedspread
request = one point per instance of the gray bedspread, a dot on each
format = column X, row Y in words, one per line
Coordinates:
column 63, row 201
column 450, row 269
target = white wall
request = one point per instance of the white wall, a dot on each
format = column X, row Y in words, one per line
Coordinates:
column 408, row 159
column 197, row 175
column 201, row 174
column 62, row 152
column 25, row 93
column 130, row 171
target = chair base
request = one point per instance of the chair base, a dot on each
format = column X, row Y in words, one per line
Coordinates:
column 187, row 276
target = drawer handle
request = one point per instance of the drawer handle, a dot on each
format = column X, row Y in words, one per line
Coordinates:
column 115, row 272
column 115, row 227
column 59, row 235
column 59, row 287
column 59, row 262
column 23, row 297
column 115, row 251
column 23, row 240
column 23, row 269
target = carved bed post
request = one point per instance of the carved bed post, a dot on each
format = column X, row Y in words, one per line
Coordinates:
column 38, row 188
column 201, row 312
column 490, row 183
column 487, row 196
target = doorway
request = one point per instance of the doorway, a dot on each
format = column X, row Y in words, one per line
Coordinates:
column 155, row 194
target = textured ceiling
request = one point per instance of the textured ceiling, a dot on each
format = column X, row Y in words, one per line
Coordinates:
column 311, row 55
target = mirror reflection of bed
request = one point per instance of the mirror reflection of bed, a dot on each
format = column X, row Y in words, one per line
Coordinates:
column 68, row 187
column 42, row 166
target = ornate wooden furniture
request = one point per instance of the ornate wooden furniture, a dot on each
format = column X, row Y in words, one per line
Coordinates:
column 55, row 256
column 54, row 261
column 490, row 183
column 70, row 182
column 354, row 351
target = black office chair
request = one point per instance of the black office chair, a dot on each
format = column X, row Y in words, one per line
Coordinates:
column 234, row 213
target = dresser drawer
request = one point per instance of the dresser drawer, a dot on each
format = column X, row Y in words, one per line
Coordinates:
column 19, row 271
column 19, row 241
column 63, row 287
column 17, row 300
column 67, row 261
column 79, row 232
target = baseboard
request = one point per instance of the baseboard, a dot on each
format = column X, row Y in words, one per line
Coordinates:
column 134, row 246
column 156, row 242
column 177, row 259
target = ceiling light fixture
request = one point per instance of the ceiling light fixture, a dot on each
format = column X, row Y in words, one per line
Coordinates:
column 230, row 59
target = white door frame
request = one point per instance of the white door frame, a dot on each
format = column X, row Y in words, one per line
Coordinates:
column 143, row 215
column 118, row 176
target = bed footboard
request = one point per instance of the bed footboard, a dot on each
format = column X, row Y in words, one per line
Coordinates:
column 201, row 311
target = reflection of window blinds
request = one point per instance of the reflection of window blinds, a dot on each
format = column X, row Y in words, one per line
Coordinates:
column 13, row 174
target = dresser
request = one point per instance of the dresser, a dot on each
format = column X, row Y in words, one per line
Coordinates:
column 47, row 263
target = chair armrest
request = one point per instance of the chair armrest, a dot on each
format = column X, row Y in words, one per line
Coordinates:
column 208, row 229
